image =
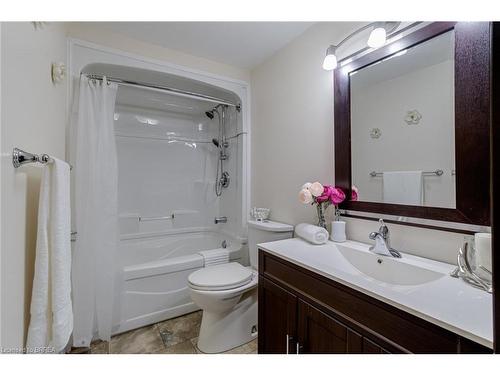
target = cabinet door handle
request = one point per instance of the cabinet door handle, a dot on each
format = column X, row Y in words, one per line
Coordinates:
column 298, row 348
column 288, row 339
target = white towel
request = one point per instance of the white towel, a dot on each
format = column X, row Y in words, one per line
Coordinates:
column 312, row 233
column 51, row 320
column 403, row 188
column 214, row 257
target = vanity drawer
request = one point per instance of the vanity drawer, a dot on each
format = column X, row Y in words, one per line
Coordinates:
column 363, row 313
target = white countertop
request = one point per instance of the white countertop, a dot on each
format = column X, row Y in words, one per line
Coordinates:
column 447, row 302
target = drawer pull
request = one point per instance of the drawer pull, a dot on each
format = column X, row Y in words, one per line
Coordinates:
column 298, row 348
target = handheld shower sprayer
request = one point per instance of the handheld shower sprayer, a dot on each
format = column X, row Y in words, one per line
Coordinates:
column 221, row 177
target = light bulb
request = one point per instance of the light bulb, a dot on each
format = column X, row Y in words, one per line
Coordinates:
column 330, row 61
column 377, row 37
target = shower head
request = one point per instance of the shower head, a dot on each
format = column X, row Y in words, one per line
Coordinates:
column 210, row 114
column 215, row 142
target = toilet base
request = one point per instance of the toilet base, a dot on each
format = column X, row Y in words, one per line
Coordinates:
column 222, row 331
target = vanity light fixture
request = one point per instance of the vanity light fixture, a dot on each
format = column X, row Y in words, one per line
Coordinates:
column 378, row 37
column 330, row 61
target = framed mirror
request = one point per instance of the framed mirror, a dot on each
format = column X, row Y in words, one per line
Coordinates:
column 412, row 123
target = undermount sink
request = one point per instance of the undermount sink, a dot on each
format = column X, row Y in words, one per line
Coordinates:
column 397, row 271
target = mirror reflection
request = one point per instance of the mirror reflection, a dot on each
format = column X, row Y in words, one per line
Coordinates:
column 402, row 126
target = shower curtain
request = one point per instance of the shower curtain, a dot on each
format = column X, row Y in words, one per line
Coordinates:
column 96, row 206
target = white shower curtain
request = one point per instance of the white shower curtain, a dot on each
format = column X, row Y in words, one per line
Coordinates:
column 96, row 211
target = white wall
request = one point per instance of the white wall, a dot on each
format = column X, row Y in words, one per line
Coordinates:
column 292, row 123
column 426, row 146
column 292, row 139
column 33, row 118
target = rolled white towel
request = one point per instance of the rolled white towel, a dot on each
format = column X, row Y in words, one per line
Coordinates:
column 312, row 233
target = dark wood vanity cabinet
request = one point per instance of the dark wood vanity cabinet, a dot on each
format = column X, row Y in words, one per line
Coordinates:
column 288, row 325
column 303, row 312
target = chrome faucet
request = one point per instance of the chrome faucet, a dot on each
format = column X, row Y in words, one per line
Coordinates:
column 220, row 219
column 382, row 242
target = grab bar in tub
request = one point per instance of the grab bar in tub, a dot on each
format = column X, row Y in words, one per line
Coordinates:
column 153, row 218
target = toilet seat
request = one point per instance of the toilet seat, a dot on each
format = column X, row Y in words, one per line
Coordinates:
column 220, row 277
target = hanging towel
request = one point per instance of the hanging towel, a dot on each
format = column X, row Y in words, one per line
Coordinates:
column 312, row 233
column 214, row 257
column 51, row 320
column 403, row 187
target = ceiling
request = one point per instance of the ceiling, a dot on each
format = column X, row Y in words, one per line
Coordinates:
column 241, row 44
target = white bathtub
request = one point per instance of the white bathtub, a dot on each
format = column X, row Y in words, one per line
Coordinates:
column 152, row 284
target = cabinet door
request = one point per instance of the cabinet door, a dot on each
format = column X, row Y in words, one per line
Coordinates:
column 358, row 344
column 277, row 319
column 320, row 333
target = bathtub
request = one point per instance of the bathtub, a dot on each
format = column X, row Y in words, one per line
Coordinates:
column 152, row 285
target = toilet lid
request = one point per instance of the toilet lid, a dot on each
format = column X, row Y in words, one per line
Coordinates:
column 220, row 277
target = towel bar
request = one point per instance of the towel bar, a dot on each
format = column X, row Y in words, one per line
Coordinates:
column 437, row 172
column 169, row 217
column 21, row 157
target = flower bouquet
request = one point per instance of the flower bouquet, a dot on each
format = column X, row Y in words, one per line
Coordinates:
column 323, row 196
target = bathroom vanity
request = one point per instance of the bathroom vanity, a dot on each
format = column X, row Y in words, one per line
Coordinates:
column 333, row 299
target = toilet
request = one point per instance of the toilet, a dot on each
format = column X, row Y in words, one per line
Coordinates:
column 227, row 293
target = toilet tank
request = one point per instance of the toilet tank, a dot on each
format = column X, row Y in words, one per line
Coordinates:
column 265, row 231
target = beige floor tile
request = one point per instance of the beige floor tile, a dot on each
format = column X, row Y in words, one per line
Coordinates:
column 180, row 336
column 79, row 351
column 142, row 340
column 252, row 345
column 185, row 347
column 178, row 330
column 99, row 347
column 194, row 342
column 248, row 348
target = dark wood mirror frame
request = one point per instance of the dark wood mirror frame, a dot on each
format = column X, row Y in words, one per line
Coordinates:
column 495, row 181
column 472, row 124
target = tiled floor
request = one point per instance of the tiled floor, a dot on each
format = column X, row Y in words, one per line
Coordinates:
column 173, row 336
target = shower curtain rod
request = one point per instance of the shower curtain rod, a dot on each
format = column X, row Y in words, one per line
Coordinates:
column 171, row 90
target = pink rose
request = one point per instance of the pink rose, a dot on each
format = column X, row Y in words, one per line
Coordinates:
column 327, row 193
column 337, row 196
column 354, row 193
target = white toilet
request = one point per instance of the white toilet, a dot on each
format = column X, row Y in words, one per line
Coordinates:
column 227, row 293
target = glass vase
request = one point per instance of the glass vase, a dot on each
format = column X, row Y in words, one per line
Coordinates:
column 321, row 216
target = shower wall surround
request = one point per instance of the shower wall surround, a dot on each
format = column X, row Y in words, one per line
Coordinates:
column 168, row 162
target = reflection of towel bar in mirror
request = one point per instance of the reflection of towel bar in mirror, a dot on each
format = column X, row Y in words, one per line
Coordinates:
column 169, row 217
column 437, row 172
